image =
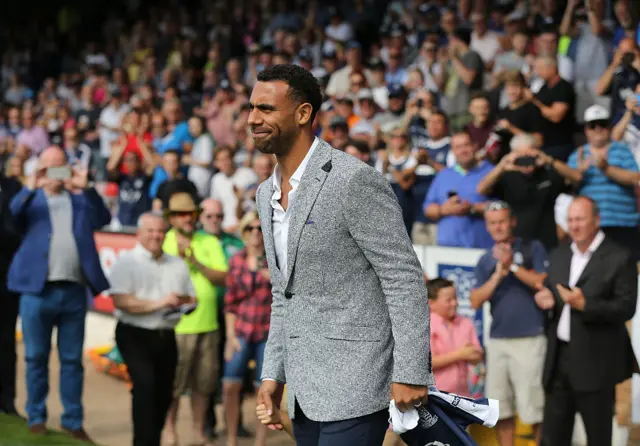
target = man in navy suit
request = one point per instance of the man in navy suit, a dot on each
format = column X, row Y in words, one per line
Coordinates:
column 54, row 266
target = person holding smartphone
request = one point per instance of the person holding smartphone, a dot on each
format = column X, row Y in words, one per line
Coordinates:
column 247, row 313
column 57, row 261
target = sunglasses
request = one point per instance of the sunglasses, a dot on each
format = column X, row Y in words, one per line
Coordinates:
column 253, row 228
column 208, row 216
column 184, row 214
column 603, row 124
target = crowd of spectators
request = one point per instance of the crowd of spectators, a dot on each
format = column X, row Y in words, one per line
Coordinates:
column 458, row 103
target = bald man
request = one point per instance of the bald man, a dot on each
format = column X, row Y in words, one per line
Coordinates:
column 621, row 77
column 56, row 264
column 590, row 293
column 145, row 283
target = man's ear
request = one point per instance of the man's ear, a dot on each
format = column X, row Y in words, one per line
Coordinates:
column 303, row 113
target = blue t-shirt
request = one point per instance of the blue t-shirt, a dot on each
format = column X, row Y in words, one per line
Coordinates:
column 461, row 231
column 617, row 203
column 133, row 198
column 514, row 311
column 174, row 140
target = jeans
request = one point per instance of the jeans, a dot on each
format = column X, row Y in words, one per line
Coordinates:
column 63, row 305
column 236, row 368
column 151, row 357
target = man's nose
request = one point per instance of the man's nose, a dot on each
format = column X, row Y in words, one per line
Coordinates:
column 254, row 118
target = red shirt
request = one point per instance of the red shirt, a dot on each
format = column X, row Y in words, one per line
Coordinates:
column 447, row 336
column 248, row 296
column 133, row 146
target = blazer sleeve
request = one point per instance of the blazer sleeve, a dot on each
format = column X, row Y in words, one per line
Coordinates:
column 273, row 362
column 374, row 219
column 100, row 215
column 622, row 305
column 20, row 203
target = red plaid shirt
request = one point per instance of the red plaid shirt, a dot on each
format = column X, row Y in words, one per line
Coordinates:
column 248, row 296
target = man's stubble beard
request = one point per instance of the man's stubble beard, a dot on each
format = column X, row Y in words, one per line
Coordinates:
column 276, row 145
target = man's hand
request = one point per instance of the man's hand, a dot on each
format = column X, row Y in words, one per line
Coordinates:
column 38, row 178
column 268, row 404
column 79, row 180
column 501, row 271
column 573, row 297
column 600, row 159
column 171, row 300
column 527, row 94
column 455, row 206
column 407, row 396
column 503, row 254
column 183, row 246
column 544, row 299
column 470, row 353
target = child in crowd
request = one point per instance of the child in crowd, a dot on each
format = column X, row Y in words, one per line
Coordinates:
column 454, row 342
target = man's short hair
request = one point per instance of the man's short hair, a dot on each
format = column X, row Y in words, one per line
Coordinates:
column 435, row 285
column 303, row 86
column 218, row 150
column 594, row 205
column 522, row 140
column 549, row 28
column 438, row 112
column 514, row 77
column 463, row 34
column 172, row 152
column 480, row 95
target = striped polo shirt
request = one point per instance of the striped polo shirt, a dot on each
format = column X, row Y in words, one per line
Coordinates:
column 617, row 203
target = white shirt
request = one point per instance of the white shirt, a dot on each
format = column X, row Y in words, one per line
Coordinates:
column 281, row 217
column 579, row 261
column 222, row 190
column 137, row 272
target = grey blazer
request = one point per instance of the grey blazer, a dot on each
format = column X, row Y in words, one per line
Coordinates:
column 350, row 315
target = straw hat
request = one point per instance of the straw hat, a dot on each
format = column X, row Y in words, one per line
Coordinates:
column 181, row 202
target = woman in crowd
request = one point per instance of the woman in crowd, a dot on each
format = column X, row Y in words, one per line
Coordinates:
column 247, row 316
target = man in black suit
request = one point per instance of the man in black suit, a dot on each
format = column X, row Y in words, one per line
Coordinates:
column 9, row 242
column 590, row 293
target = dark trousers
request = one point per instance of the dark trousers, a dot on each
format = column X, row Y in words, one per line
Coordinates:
column 9, row 303
column 368, row 430
column 562, row 402
column 151, row 357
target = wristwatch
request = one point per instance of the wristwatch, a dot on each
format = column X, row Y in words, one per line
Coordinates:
column 514, row 268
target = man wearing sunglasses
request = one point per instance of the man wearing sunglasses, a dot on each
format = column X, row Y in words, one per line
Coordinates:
column 197, row 334
column 211, row 223
column 606, row 172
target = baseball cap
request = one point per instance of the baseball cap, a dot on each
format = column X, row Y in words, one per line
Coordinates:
column 348, row 97
column 376, row 64
column 338, row 121
column 354, row 45
column 329, row 54
column 596, row 113
column 305, row 55
column 365, row 93
column 396, row 90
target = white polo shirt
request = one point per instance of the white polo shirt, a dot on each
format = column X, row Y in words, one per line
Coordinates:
column 137, row 272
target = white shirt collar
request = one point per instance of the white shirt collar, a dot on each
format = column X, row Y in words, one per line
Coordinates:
column 144, row 252
column 595, row 243
column 297, row 175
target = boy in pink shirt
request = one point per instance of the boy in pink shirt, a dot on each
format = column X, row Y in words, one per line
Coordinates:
column 454, row 342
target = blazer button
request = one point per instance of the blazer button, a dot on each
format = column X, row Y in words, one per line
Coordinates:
column 288, row 295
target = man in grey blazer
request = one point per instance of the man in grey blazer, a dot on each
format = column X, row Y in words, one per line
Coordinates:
column 350, row 317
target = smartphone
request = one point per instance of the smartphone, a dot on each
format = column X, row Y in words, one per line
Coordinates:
column 262, row 262
column 420, row 103
column 638, row 99
column 59, row 173
column 525, row 161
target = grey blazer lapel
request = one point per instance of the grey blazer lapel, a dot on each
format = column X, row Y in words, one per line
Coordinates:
column 266, row 220
column 310, row 185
